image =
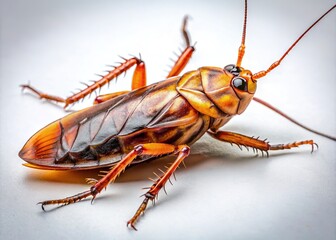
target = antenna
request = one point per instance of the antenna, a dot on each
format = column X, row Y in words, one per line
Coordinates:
column 277, row 63
column 241, row 50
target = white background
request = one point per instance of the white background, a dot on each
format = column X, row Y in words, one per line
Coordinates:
column 224, row 192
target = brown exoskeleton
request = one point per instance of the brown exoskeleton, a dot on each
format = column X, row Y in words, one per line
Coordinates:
column 160, row 119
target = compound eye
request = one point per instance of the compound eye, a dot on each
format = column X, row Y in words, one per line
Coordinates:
column 229, row 67
column 233, row 69
column 240, row 83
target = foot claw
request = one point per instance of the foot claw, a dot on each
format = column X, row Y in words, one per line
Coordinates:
column 132, row 225
column 314, row 144
column 42, row 205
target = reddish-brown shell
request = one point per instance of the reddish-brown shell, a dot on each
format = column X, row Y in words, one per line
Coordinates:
column 176, row 111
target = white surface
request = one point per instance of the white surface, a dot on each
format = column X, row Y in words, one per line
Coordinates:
column 223, row 193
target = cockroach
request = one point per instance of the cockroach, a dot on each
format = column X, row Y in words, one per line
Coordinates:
column 151, row 121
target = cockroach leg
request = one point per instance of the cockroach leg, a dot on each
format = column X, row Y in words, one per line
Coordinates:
column 255, row 143
column 139, row 76
column 66, row 201
column 294, row 144
column 185, row 56
column 183, row 151
column 139, row 80
column 139, row 212
column 43, row 95
column 152, row 149
column 185, row 32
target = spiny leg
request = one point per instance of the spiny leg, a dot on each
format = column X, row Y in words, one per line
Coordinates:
column 183, row 151
column 98, row 185
column 139, row 80
column 185, row 56
column 139, row 76
column 152, row 149
column 255, row 143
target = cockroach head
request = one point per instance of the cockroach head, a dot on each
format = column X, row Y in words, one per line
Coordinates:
column 243, row 85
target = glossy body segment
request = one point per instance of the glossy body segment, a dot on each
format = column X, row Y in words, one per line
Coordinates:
column 177, row 111
column 100, row 135
column 210, row 92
